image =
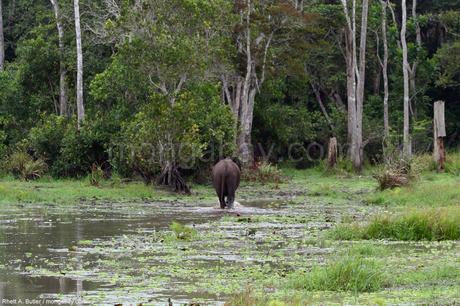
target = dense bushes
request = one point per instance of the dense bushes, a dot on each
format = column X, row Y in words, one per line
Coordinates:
column 166, row 137
column 70, row 152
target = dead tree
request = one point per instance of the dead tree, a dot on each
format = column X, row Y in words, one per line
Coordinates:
column 332, row 153
column 439, row 152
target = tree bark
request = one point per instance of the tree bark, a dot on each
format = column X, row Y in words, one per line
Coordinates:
column 332, row 153
column 63, row 98
column 439, row 128
column 407, row 147
column 384, row 65
column 80, row 104
column 244, row 138
column 350, row 50
column 356, row 76
column 2, row 39
column 413, row 68
column 359, row 154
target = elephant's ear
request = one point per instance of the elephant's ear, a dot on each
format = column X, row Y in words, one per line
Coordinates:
column 237, row 161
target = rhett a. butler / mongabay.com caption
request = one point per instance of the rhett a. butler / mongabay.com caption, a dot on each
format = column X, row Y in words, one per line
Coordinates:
column 74, row 301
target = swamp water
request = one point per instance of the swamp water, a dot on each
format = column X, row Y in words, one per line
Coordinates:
column 106, row 253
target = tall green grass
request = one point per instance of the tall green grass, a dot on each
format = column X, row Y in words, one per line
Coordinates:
column 351, row 273
column 414, row 225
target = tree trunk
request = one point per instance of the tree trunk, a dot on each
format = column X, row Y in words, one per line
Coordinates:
column 244, row 138
column 359, row 154
column 332, row 153
column 407, row 147
column 2, row 39
column 63, row 109
column 386, row 92
column 350, row 58
column 413, row 68
column 80, row 105
column 356, row 76
column 439, row 128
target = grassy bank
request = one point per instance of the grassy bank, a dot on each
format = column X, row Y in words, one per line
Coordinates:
column 430, row 190
column 70, row 191
column 432, row 224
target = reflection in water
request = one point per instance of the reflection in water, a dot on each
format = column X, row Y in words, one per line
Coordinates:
column 45, row 236
column 30, row 234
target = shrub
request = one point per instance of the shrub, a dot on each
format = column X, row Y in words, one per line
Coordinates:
column 96, row 175
column 164, row 139
column 71, row 152
column 46, row 138
column 263, row 172
column 397, row 173
column 23, row 166
column 426, row 224
column 352, row 273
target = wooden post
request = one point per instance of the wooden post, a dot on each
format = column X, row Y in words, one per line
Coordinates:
column 332, row 153
column 439, row 152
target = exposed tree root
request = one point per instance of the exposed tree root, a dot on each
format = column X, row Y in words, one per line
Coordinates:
column 171, row 177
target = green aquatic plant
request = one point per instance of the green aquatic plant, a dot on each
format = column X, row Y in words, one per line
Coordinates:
column 183, row 232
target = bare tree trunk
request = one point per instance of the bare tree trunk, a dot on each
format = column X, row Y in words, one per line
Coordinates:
column 2, row 39
column 350, row 46
column 356, row 76
column 244, row 138
column 332, row 153
column 384, row 64
column 439, row 128
column 359, row 154
column 407, row 148
column 80, row 105
column 413, row 68
column 63, row 109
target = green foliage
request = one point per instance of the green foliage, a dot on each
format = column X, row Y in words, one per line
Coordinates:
column 23, row 166
column 71, row 152
column 188, row 133
column 351, row 273
column 183, row 232
column 46, row 138
column 448, row 65
column 414, row 225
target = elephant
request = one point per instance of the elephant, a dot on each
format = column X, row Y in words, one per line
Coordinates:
column 226, row 179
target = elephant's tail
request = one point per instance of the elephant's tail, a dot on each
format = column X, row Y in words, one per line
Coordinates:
column 222, row 187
